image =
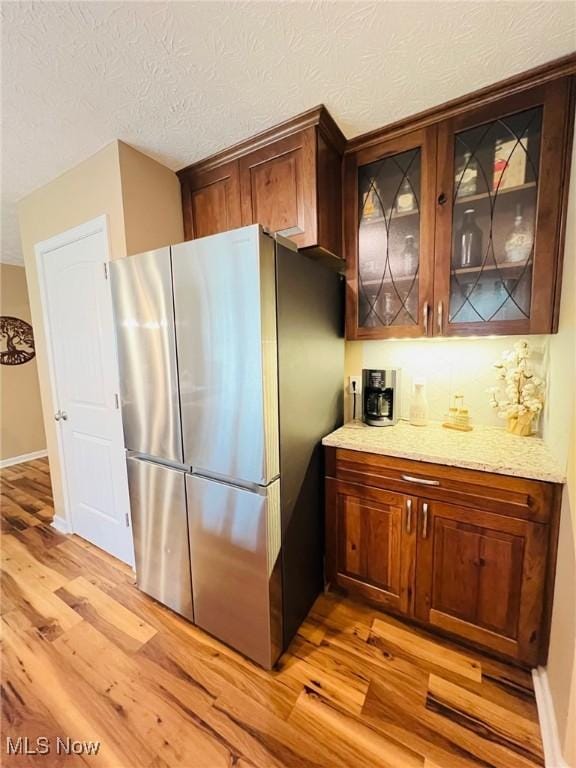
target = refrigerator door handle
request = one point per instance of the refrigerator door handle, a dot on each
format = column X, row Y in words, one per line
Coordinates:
column 157, row 460
column 233, row 481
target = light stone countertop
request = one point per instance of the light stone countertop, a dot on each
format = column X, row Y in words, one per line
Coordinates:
column 488, row 449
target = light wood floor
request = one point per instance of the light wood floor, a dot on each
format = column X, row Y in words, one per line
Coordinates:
column 87, row 656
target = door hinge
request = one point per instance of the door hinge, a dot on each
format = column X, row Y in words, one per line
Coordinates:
column 106, row 270
column 127, row 520
column 116, row 400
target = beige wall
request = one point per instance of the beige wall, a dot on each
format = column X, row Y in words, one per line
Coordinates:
column 151, row 201
column 115, row 180
column 560, row 431
column 22, row 430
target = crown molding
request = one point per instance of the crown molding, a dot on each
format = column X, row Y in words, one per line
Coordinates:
column 318, row 116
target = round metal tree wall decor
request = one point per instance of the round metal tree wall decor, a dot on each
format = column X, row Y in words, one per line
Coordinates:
column 16, row 341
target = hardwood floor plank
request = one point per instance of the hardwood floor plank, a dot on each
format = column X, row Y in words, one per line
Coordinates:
column 287, row 745
column 361, row 745
column 35, row 673
column 492, row 721
column 350, row 692
column 44, row 609
column 106, row 614
column 427, row 651
column 23, row 566
column 218, row 669
column 159, row 722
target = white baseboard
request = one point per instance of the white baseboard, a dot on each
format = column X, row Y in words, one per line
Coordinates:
column 61, row 524
column 21, row 459
column 547, row 717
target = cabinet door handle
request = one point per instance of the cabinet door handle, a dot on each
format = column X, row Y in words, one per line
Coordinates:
column 442, row 199
column 440, row 316
column 425, row 317
column 408, row 515
column 420, row 480
column 424, row 520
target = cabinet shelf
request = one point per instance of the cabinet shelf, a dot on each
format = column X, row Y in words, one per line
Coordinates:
column 397, row 281
column 382, row 220
column 509, row 269
column 501, row 193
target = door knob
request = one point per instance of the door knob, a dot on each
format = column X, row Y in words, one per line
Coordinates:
column 64, row 415
column 57, row 416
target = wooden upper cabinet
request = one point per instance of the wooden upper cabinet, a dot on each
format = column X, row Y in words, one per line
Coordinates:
column 211, row 200
column 374, row 535
column 501, row 176
column 389, row 236
column 288, row 179
column 481, row 576
column 457, row 228
column 278, row 188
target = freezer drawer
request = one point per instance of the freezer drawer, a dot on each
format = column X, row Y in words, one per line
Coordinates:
column 160, row 529
column 144, row 318
column 236, row 575
column 225, row 308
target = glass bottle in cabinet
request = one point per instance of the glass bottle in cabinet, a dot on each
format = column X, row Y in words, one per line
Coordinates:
column 466, row 178
column 518, row 245
column 405, row 201
column 468, row 251
column 409, row 256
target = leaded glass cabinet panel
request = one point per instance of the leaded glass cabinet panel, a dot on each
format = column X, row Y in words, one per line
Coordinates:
column 499, row 206
column 393, row 247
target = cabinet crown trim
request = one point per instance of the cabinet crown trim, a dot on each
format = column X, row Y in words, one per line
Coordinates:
column 544, row 73
column 316, row 117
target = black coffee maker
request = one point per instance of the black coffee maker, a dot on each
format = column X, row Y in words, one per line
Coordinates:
column 380, row 397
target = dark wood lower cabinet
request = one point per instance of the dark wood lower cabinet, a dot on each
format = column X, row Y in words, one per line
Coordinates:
column 375, row 543
column 481, row 576
column 460, row 568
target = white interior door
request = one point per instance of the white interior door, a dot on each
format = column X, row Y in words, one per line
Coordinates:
column 78, row 314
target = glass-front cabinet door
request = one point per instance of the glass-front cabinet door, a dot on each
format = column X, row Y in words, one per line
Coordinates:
column 498, row 215
column 390, row 237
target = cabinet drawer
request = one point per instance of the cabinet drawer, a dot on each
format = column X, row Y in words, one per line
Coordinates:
column 501, row 494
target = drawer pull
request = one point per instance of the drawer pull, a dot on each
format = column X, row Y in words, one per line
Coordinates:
column 424, row 520
column 419, row 480
column 408, row 515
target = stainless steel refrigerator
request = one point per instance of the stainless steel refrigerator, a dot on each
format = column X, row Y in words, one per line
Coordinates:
column 231, row 362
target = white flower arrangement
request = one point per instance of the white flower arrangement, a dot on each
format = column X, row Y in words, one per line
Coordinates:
column 520, row 392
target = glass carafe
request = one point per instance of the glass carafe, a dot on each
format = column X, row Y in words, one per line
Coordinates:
column 468, row 251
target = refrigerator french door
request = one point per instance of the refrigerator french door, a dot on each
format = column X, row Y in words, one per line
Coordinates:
column 144, row 317
column 231, row 362
column 225, row 312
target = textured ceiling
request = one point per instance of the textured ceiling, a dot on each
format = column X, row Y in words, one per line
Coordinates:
column 182, row 80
